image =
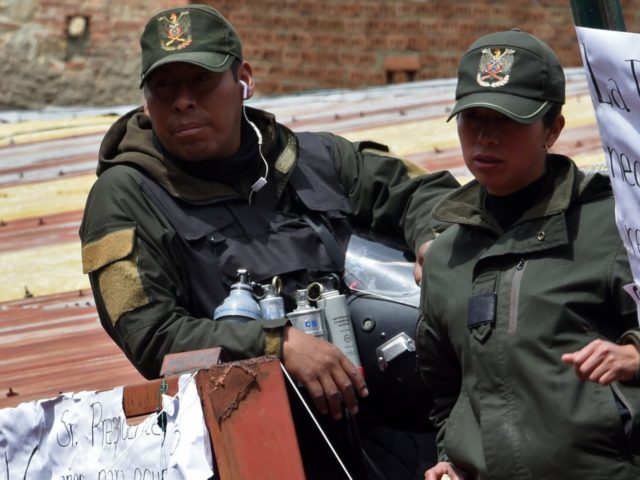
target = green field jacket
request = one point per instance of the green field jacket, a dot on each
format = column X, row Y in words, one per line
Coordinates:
column 499, row 310
column 129, row 246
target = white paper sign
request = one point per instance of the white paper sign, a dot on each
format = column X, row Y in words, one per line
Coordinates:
column 612, row 64
column 85, row 435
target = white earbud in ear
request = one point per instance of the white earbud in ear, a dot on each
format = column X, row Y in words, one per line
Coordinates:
column 245, row 89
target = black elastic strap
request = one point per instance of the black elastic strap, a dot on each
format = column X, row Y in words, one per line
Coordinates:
column 330, row 243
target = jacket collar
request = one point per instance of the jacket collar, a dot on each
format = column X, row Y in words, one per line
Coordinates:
column 541, row 227
column 130, row 141
column 466, row 204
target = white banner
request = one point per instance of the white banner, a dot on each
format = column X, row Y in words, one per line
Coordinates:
column 612, row 65
column 85, row 436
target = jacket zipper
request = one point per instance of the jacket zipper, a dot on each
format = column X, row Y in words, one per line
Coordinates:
column 515, row 295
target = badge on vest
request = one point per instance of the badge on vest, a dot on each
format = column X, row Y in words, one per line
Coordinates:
column 481, row 314
column 481, row 310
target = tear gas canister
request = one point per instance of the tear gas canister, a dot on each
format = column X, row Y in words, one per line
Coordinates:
column 272, row 304
column 307, row 318
column 338, row 321
column 239, row 306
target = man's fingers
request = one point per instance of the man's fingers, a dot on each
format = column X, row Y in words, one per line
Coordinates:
column 348, row 381
column 326, row 373
column 316, row 392
column 332, row 396
column 356, row 380
column 348, row 395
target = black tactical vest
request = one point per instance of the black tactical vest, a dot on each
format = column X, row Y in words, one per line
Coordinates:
column 215, row 239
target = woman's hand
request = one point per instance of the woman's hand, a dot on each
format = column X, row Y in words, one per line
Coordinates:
column 443, row 471
column 604, row 362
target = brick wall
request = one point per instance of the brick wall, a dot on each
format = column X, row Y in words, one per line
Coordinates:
column 293, row 45
column 37, row 67
column 306, row 44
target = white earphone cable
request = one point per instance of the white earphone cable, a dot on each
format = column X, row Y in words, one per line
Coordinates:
column 262, row 181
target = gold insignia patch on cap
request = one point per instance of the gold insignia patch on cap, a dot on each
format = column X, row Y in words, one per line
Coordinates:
column 495, row 67
column 175, row 31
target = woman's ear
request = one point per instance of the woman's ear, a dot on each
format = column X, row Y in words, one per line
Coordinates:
column 146, row 108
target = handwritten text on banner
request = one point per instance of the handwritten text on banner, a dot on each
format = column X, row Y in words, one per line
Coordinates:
column 612, row 64
column 85, row 436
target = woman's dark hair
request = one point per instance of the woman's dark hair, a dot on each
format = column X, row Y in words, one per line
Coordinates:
column 550, row 116
column 235, row 67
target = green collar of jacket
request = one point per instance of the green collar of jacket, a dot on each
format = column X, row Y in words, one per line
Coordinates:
column 565, row 184
column 541, row 227
column 130, row 141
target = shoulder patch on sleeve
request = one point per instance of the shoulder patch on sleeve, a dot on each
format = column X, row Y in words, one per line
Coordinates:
column 273, row 343
column 121, row 288
column 373, row 147
column 109, row 248
column 287, row 158
column 414, row 170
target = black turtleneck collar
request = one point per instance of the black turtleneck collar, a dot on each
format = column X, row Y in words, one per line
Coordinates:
column 509, row 208
column 242, row 165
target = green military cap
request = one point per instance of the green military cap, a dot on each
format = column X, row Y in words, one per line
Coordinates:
column 511, row 72
column 196, row 34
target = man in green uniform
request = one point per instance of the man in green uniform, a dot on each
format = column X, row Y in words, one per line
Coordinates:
column 194, row 185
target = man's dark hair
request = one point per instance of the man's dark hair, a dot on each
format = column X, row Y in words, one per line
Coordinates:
column 235, row 67
column 550, row 116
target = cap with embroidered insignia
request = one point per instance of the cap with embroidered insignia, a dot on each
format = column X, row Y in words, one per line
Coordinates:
column 196, row 34
column 512, row 72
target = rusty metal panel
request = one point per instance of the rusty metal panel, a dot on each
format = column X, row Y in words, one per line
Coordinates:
column 146, row 398
column 190, row 361
column 249, row 419
column 54, row 344
column 51, row 340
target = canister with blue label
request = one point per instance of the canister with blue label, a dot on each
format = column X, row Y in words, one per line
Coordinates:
column 307, row 318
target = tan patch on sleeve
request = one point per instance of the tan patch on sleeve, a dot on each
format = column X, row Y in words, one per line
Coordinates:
column 413, row 169
column 109, row 248
column 273, row 342
column 287, row 158
column 121, row 288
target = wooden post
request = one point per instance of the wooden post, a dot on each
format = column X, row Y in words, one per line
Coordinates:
column 249, row 419
column 246, row 409
column 602, row 14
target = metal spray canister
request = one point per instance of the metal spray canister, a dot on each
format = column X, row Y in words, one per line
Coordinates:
column 272, row 304
column 338, row 320
column 307, row 318
column 239, row 306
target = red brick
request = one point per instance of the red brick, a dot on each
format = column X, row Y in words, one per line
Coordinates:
column 402, row 62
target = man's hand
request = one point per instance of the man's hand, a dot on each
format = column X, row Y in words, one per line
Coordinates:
column 604, row 362
column 417, row 268
column 327, row 375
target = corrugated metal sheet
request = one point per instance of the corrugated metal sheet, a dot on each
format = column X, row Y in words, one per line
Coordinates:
column 50, row 338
